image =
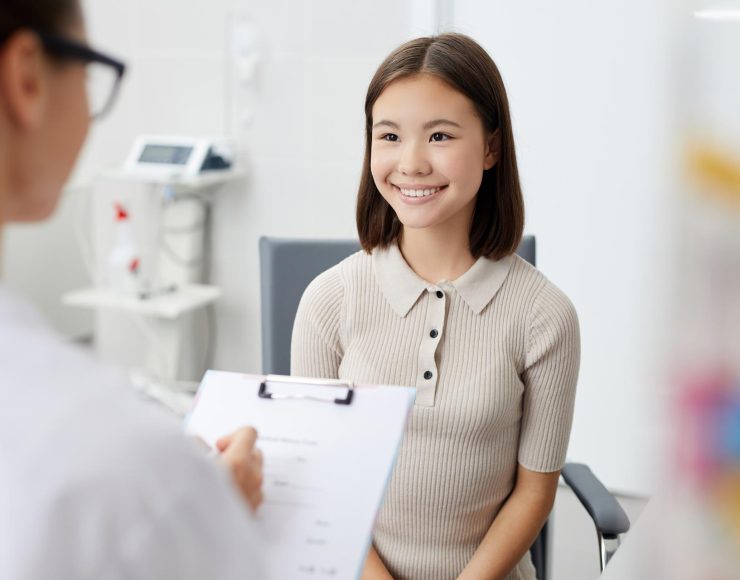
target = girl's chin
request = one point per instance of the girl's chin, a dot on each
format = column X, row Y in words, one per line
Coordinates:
column 415, row 222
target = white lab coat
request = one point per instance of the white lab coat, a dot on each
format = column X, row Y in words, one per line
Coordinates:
column 96, row 484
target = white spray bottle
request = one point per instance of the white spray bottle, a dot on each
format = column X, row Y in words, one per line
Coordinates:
column 123, row 262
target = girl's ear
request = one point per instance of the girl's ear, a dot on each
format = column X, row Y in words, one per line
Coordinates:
column 22, row 80
column 493, row 148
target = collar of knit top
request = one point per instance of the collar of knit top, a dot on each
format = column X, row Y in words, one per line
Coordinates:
column 402, row 287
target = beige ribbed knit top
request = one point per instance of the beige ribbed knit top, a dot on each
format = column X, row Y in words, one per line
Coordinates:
column 494, row 357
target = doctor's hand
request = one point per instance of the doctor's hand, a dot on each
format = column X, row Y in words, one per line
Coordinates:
column 244, row 461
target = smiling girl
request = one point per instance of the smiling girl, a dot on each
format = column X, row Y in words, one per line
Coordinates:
column 439, row 300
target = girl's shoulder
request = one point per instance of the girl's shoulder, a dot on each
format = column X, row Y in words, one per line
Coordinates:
column 543, row 297
column 524, row 275
column 329, row 287
column 526, row 272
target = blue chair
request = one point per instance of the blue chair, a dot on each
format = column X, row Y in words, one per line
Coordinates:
column 287, row 266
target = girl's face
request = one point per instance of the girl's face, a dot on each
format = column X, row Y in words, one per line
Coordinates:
column 429, row 151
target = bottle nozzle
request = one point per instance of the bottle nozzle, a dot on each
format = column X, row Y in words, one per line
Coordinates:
column 121, row 213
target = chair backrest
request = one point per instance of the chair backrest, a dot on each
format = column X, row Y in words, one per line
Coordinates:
column 528, row 249
column 287, row 266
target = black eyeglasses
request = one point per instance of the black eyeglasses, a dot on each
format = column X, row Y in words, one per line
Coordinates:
column 104, row 73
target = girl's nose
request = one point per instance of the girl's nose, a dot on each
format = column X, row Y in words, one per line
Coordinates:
column 412, row 161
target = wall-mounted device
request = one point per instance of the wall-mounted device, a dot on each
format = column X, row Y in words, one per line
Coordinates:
column 149, row 254
column 173, row 157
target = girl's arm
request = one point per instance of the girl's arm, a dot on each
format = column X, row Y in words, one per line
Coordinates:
column 316, row 349
column 374, row 567
column 515, row 527
column 550, row 374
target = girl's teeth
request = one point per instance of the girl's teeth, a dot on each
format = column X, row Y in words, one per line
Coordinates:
column 419, row 192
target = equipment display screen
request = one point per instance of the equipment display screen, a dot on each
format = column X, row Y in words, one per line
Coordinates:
column 166, row 154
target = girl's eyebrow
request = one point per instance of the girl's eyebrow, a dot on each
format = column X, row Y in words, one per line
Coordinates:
column 428, row 125
column 385, row 123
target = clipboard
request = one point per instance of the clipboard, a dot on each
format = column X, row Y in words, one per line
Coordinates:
column 329, row 448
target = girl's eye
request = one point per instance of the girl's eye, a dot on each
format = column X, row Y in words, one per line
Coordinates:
column 439, row 137
column 390, row 137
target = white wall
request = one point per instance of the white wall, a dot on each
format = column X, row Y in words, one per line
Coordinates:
column 588, row 84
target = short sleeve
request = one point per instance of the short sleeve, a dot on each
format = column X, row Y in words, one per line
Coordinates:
column 550, row 375
column 316, row 349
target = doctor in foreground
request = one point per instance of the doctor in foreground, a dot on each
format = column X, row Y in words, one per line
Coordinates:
column 94, row 484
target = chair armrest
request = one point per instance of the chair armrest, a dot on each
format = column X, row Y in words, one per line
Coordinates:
column 608, row 516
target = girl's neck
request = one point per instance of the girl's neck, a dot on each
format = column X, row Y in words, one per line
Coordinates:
column 435, row 254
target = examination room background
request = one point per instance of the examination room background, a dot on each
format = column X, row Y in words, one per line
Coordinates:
column 588, row 88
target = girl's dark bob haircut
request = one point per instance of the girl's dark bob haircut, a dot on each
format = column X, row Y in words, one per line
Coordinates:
column 498, row 218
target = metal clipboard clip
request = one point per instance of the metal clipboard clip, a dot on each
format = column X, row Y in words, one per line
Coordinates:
column 265, row 394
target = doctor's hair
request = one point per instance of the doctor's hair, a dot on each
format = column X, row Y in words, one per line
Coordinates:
column 47, row 16
column 460, row 62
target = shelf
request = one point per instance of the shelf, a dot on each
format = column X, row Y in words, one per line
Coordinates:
column 202, row 181
column 168, row 306
column 176, row 396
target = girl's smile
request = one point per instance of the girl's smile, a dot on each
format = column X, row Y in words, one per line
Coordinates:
column 416, row 194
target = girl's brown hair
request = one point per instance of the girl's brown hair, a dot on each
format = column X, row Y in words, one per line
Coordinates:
column 498, row 218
